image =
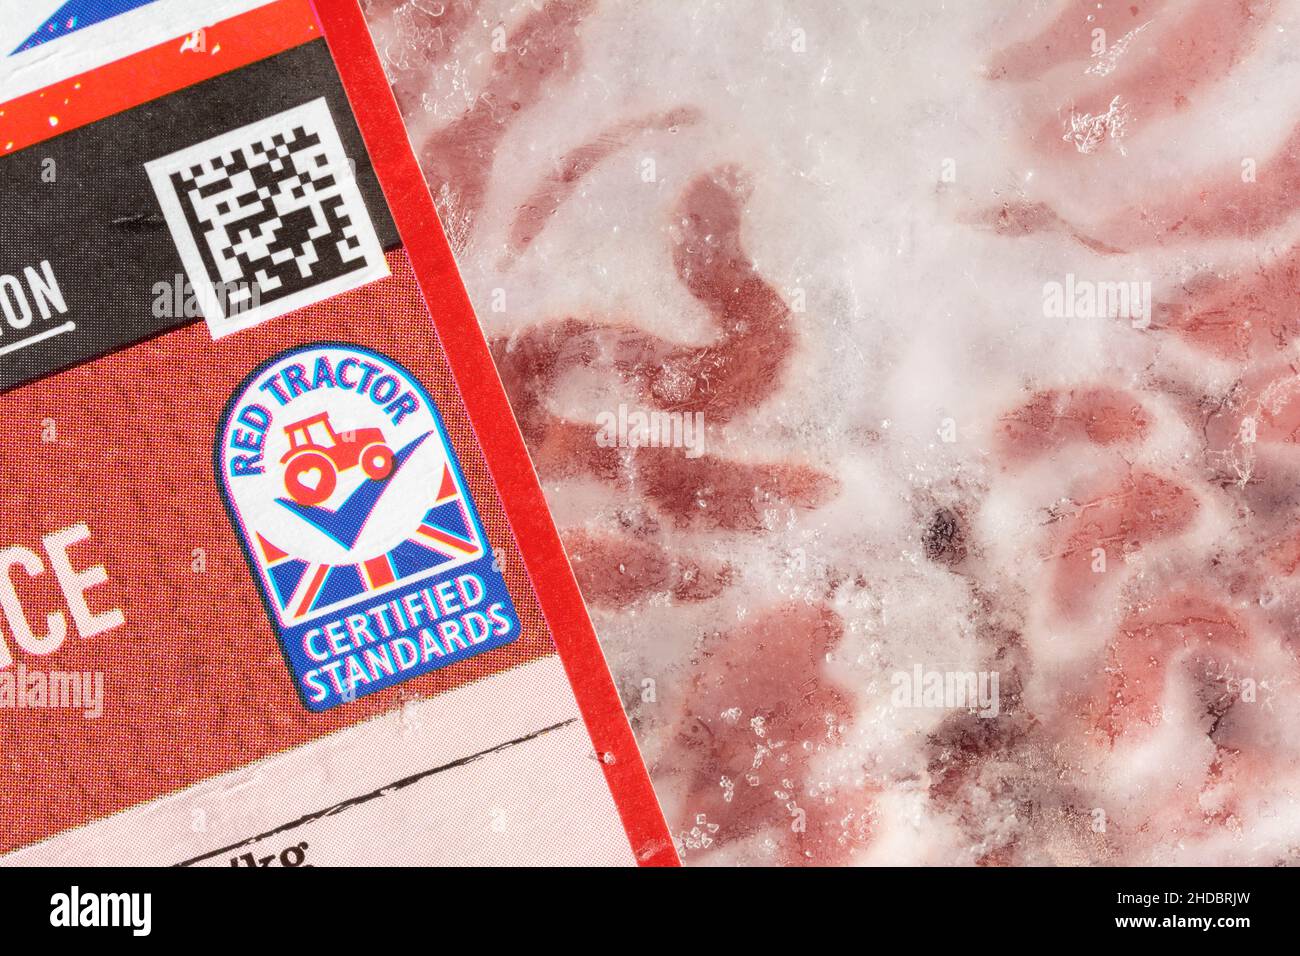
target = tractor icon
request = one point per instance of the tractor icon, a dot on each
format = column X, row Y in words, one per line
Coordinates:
column 317, row 453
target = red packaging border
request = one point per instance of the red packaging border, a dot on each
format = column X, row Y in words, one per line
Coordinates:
column 489, row 411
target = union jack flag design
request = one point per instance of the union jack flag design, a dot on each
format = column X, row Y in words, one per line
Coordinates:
column 445, row 538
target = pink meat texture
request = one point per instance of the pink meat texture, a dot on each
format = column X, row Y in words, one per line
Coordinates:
column 987, row 316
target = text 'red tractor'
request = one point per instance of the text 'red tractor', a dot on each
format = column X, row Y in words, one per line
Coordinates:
column 317, row 453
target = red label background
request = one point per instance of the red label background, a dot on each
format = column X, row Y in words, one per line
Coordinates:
column 194, row 683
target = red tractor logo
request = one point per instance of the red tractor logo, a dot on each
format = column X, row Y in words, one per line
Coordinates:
column 317, row 453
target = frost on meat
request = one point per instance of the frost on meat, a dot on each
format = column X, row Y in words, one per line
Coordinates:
column 835, row 249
